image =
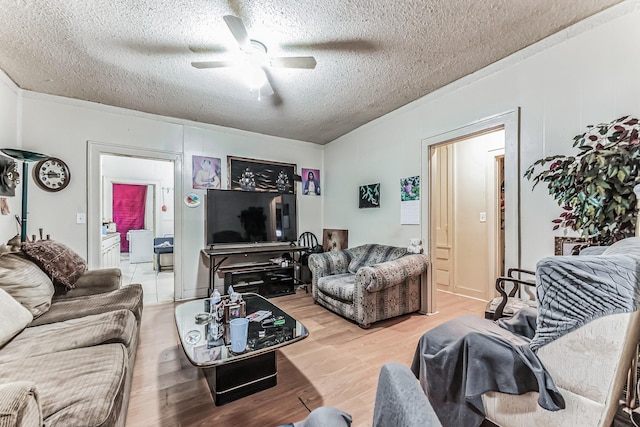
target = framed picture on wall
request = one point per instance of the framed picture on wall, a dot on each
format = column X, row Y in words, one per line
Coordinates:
column 206, row 172
column 569, row 245
column 260, row 175
column 310, row 182
column 369, row 196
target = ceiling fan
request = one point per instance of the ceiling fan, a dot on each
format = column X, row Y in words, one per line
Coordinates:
column 253, row 59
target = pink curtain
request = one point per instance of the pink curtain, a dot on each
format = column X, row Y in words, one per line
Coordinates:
column 128, row 210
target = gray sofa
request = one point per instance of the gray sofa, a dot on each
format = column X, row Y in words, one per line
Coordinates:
column 368, row 283
column 70, row 364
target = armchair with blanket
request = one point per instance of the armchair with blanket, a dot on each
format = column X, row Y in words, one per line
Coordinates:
column 562, row 364
column 368, row 283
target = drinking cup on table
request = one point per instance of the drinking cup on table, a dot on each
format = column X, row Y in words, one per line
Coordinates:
column 238, row 330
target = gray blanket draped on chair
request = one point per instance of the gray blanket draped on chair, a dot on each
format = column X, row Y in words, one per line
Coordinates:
column 461, row 359
column 573, row 290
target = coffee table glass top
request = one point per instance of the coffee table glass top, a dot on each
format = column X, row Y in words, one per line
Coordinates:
column 203, row 351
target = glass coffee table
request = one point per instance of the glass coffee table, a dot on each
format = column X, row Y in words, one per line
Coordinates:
column 230, row 375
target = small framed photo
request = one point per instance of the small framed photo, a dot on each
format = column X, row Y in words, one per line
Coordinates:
column 234, row 311
column 569, row 245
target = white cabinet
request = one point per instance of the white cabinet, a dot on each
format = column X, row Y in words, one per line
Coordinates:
column 110, row 251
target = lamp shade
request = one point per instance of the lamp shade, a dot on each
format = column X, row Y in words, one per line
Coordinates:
column 24, row 155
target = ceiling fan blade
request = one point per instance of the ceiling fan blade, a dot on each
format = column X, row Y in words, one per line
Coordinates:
column 213, row 64
column 274, row 99
column 207, row 49
column 266, row 89
column 308, row 62
column 237, row 28
column 348, row 45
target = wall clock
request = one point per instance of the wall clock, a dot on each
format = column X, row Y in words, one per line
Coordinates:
column 52, row 174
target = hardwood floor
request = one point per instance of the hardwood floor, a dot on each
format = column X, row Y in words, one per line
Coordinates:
column 337, row 365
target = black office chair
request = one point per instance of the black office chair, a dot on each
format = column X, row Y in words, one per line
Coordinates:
column 309, row 240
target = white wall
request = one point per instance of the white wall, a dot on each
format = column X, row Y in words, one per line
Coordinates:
column 584, row 75
column 62, row 127
column 9, row 108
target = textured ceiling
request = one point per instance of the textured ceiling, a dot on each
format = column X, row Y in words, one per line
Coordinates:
column 373, row 56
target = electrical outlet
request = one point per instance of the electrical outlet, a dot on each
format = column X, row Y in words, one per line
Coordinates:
column 81, row 218
column 483, row 217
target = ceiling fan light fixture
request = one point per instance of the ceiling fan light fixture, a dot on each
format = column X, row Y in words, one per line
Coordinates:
column 254, row 77
column 252, row 61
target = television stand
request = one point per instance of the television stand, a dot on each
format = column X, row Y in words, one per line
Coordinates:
column 269, row 281
column 275, row 278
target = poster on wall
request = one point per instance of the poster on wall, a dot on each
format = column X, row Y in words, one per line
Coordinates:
column 369, row 196
column 410, row 200
column 311, row 182
column 206, row 172
column 260, row 175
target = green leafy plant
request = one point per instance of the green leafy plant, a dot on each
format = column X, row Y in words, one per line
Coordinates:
column 595, row 186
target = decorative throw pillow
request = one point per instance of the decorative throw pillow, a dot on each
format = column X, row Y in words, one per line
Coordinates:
column 63, row 265
column 375, row 254
column 26, row 283
column 628, row 246
column 13, row 317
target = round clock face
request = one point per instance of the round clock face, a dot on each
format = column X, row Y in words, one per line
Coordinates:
column 52, row 174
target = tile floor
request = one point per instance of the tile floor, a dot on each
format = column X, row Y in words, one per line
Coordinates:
column 157, row 287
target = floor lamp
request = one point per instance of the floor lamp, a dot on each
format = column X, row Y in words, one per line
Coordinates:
column 26, row 157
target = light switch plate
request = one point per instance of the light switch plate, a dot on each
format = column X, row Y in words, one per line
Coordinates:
column 81, row 218
column 483, row 217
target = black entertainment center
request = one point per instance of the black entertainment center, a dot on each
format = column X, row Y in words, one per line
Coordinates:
column 265, row 278
column 252, row 224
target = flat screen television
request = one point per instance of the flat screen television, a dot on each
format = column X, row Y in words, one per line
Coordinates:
column 250, row 217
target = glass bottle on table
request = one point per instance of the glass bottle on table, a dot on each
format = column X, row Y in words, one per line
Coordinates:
column 216, row 325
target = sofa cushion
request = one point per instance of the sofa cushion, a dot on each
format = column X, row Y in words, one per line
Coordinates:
column 19, row 405
column 62, row 264
column 92, row 282
column 375, row 254
column 26, row 282
column 126, row 298
column 13, row 317
column 628, row 246
column 344, row 309
column 338, row 286
column 81, row 387
column 111, row 327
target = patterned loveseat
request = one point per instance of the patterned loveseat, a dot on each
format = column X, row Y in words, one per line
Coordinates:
column 368, row 283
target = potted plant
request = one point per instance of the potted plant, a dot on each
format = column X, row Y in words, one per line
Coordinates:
column 595, row 186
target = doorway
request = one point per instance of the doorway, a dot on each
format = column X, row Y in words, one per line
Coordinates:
column 133, row 200
column 159, row 173
column 465, row 213
column 488, row 207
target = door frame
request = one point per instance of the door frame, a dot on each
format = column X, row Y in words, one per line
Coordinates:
column 510, row 122
column 94, row 197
